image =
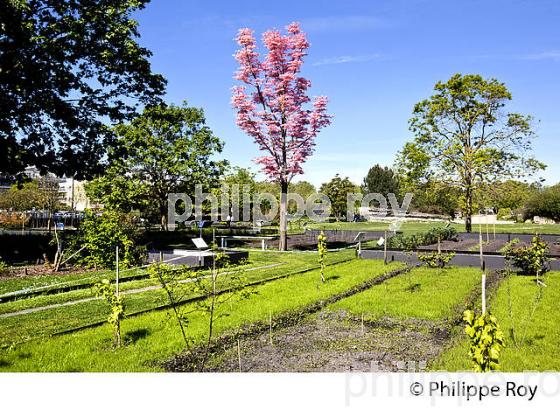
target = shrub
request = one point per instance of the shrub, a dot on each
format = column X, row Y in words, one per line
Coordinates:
column 505, row 214
column 4, row 268
column 99, row 235
column 435, row 259
column 430, row 237
column 486, row 341
column 13, row 220
column 531, row 259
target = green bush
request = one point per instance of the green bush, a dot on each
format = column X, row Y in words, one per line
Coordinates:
column 4, row 268
column 505, row 214
column 430, row 237
column 99, row 235
column 435, row 259
column 530, row 259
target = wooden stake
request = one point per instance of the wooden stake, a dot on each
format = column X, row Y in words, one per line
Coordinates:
column 117, row 272
column 483, row 293
column 270, row 327
column 438, row 244
column 363, row 324
column 480, row 246
column 385, row 248
column 239, row 354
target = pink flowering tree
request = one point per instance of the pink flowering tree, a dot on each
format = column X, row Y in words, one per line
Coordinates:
column 273, row 106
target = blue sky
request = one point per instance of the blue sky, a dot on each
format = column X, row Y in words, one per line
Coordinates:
column 373, row 59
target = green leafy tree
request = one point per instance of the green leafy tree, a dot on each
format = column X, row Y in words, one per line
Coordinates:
column 166, row 149
column 510, row 194
column 464, row 136
column 68, row 69
column 337, row 189
column 531, row 259
column 544, row 203
column 486, row 341
column 99, row 235
column 104, row 290
column 243, row 194
column 322, row 251
column 382, row 180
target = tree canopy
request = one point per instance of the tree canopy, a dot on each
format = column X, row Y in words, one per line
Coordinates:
column 381, row 180
column 465, row 137
column 166, row 149
column 69, row 68
column 337, row 189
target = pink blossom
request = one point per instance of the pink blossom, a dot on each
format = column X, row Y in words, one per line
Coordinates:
column 274, row 112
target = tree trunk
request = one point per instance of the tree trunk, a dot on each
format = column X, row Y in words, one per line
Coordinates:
column 468, row 209
column 283, row 243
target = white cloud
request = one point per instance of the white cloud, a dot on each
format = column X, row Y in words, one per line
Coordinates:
column 347, row 59
column 545, row 55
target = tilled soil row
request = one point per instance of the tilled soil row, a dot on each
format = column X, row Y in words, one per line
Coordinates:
column 190, row 360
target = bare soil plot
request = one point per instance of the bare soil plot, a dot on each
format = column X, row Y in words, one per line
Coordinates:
column 334, row 342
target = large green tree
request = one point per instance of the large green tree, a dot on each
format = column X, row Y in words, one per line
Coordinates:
column 465, row 137
column 167, row 149
column 68, row 68
column 381, row 180
column 544, row 203
column 337, row 189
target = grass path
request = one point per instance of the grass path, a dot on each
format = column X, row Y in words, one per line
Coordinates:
column 152, row 337
column 125, row 292
column 529, row 322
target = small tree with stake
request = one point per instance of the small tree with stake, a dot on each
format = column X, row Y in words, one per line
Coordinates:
column 322, row 251
column 104, row 290
column 486, row 340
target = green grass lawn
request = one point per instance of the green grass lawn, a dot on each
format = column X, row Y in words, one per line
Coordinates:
column 415, row 227
column 153, row 337
column 422, row 293
column 537, row 345
column 47, row 322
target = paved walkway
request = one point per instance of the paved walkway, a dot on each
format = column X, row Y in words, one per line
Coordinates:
column 491, row 262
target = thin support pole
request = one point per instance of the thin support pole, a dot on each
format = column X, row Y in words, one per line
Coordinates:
column 385, row 248
column 483, row 293
column 480, row 247
column 117, row 272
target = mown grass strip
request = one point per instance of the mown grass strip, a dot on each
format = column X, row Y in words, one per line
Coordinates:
column 534, row 323
column 422, row 293
column 19, row 329
column 151, row 338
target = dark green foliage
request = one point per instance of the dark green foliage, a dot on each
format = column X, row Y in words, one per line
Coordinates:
column 545, row 203
column 430, row 237
column 381, row 180
column 99, row 235
column 337, row 190
column 68, row 69
column 167, row 149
